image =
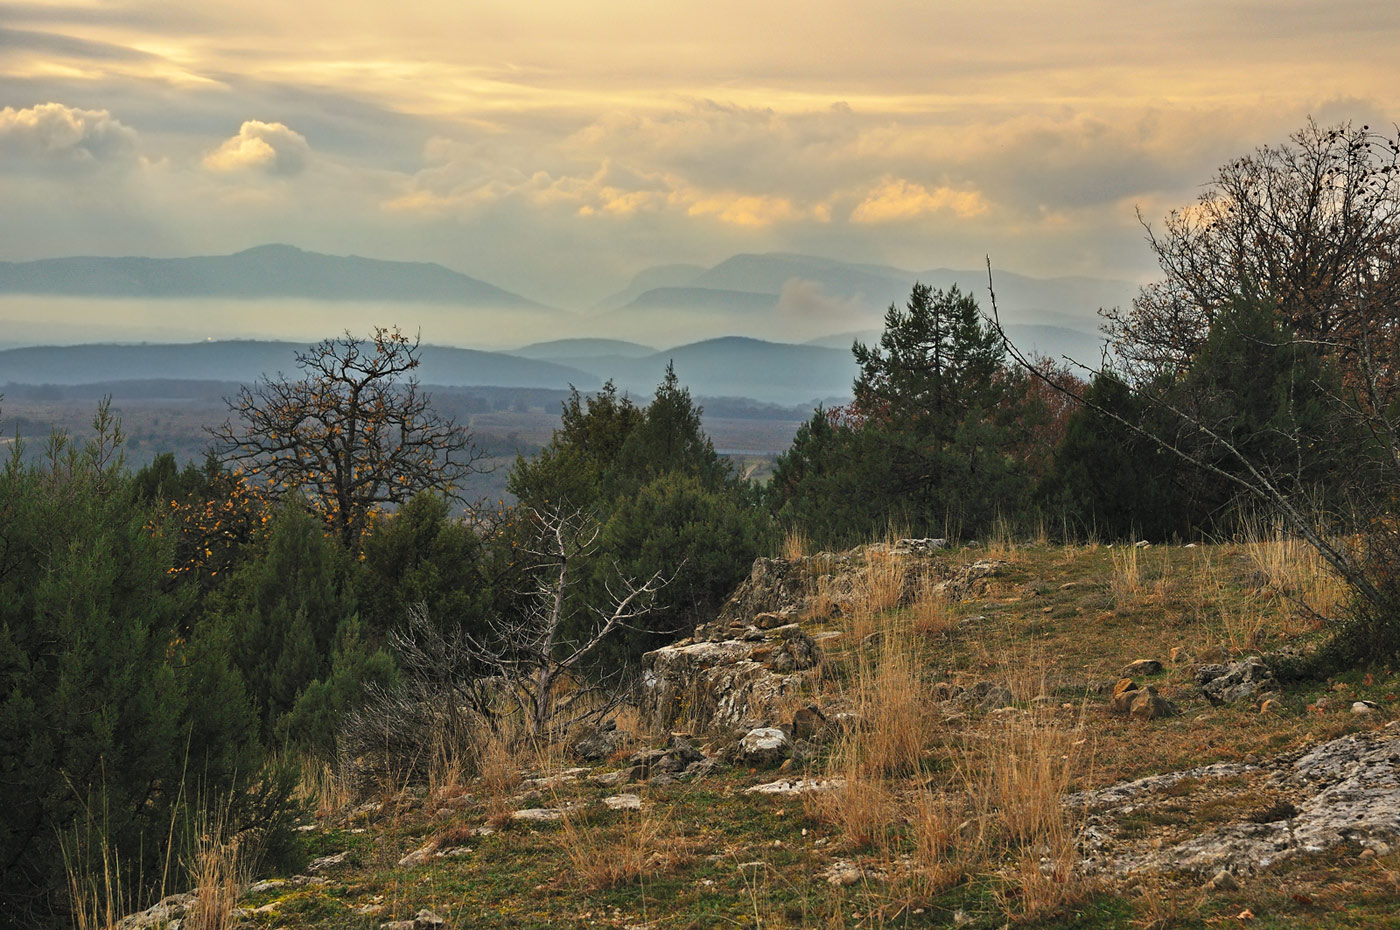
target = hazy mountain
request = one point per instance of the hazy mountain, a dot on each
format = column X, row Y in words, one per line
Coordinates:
column 702, row 298
column 245, row 361
column 261, row 272
column 791, row 298
column 734, row 366
column 650, row 279
column 583, row 348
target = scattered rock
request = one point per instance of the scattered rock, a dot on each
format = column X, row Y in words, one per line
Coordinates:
column 623, row 802
column 764, row 747
column 844, row 873
column 168, row 911
column 797, row 786
column 1248, row 679
column 537, row 815
column 985, row 695
column 1149, row 705
column 1142, row 667
column 1363, row 707
column 423, row 920
column 601, row 743
column 418, row 856
column 1343, row 790
column 326, row 862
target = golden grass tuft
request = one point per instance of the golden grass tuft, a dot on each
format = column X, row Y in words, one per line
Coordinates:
column 930, row 614
column 605, row 858
column 218, row 872
column 796, row 545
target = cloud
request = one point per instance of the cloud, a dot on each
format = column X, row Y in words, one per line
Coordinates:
column 896, row 200
column 270, row 148
column 55, row 137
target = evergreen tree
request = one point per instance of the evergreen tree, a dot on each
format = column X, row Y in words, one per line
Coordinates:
column 109, row 714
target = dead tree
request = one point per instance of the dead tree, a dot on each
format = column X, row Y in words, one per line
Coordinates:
column 525, row 657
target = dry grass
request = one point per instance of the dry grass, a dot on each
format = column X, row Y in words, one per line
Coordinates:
column 96, row 898
column 1127, row 581
column 606, row 858
column 939, row 849
column 324, row 790
column 930, row 614
column 796, row 545
column 864, row 808
column 219, row 874
column 881, row 586
column 498, row 766
column 1017, row 783
column 1295, row 569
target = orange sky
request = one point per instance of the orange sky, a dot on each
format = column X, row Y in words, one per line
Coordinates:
column 555, row 148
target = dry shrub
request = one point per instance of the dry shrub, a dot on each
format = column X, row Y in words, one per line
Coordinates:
column 605, row 858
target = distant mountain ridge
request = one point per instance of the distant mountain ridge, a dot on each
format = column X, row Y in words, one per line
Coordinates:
column 245, row 361
column 266, row 271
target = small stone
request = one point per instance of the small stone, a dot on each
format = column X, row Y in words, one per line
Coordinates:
column 624, row 802
column 1223, row 881
column 538, row 814
column 1368, row 854
column 1149, row 705
column 1142, row 667
column 1363, row 707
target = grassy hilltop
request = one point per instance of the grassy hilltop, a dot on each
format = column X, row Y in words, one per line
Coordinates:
column 933, row 810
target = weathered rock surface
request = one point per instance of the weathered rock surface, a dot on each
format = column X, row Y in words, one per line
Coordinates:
column 735, row 673
column 1249, row 679
column 764, row 747
column 596, row 746
column 1343, row 790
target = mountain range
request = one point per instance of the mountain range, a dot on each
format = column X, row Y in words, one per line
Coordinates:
column 775, row 327
column 260, row 272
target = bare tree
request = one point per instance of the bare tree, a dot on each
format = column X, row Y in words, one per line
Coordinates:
column 525, row 657
column 354, row 432
column 1312, row 226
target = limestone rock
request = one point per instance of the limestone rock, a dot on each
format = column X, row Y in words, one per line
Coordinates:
column 1245, row 680
column 764, row 747
column 601, row 743
column 1345, row 790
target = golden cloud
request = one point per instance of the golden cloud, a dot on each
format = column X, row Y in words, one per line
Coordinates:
column 272, row 148
column 896, row 200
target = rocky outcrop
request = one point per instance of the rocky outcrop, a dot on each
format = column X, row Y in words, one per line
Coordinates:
column 722, row 686
column 736, row 672
column 1304, row 803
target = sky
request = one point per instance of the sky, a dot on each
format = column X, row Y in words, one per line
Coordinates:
column 555, row 148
